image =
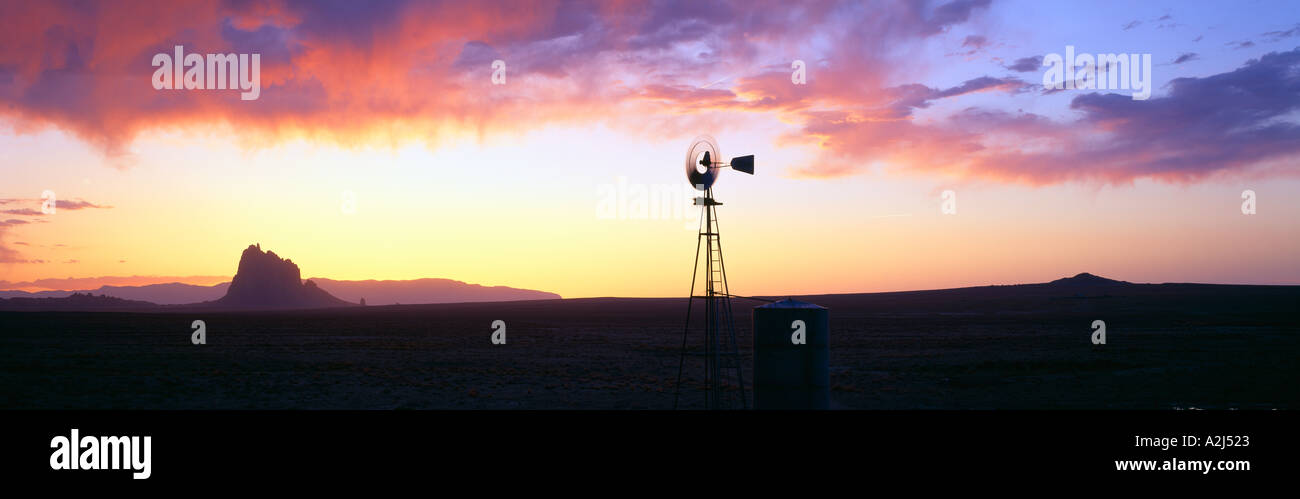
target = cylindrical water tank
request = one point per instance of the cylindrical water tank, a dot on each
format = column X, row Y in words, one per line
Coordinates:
column 791, row 356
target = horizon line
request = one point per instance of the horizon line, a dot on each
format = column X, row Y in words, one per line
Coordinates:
column 4, row 288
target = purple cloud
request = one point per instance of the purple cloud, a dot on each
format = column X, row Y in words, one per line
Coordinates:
column 1027, row 64
column 975, row 42
column 1223, row 122
column 1226, row 123
column 1274, row 36
column 955, row 12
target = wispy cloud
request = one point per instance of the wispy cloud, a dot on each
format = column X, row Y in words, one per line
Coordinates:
column 1027, row 64
column 1279, row 35
column 68, row 205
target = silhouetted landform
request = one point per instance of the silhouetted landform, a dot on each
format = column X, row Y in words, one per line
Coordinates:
column 1087, row 280
column 266, row 281
column 80, row 302
column 431, row 291
column 426, row 291
column 414, row 291
column 172, row 293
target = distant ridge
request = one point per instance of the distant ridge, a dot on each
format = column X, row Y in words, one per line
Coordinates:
column 172, row 293
column 273, row 287
column 80, row 302
column 426, row 291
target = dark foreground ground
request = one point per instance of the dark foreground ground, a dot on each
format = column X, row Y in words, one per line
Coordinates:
column 1169, row 347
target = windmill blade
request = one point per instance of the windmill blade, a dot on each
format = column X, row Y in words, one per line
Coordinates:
column 702, row 152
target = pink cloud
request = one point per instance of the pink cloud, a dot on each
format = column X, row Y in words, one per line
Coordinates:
column 413, row 70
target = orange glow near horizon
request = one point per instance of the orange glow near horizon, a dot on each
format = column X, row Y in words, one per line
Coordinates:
column 422, row 213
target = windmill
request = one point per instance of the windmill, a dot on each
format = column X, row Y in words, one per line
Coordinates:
column 724, row 382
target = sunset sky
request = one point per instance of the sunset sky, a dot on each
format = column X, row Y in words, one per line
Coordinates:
column 452, row 176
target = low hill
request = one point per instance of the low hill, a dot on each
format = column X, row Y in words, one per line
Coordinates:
column 78, row 302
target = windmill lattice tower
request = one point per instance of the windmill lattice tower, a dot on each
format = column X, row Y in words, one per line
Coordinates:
column 724, row 381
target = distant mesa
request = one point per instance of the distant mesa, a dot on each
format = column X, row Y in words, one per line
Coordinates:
column 172, row 293
column 266, row 281
column 1086, row 279
column 428, row 290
